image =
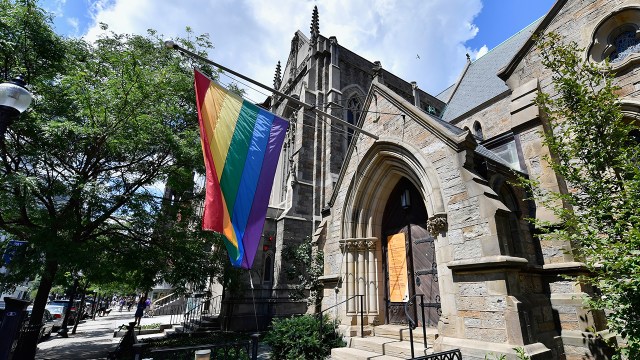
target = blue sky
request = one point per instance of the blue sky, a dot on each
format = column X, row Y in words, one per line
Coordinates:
column 418, row 40
column 499, row 19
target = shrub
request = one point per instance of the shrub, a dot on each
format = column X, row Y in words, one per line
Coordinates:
column 299, row 338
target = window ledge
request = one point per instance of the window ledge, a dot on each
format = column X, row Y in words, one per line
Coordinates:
column 488, row 263
column 629, row 61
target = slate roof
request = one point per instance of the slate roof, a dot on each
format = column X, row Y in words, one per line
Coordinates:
column 481, row 82
column 446, row 93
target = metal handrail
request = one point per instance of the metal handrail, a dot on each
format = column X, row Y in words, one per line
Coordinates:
column 190, row 312
column 344, row 301
column 412, row 323
column 203, row 306
column 340, row 303
column 160, row 301
column 176, row 312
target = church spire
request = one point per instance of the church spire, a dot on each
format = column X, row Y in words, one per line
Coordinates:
column 315, row 24
column 277, row 79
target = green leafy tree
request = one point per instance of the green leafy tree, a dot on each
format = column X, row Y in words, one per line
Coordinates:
column 78, row 171
column 303, row 270
column 596, row 150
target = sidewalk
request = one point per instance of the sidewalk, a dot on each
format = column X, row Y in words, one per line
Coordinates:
column 93, row 339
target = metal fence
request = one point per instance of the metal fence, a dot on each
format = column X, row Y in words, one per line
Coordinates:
column 237, row 350
column 445, row 355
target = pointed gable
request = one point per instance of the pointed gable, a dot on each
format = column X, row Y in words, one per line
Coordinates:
column 480, row 82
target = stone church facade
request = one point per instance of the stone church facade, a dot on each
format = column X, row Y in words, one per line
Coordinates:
column 426, row 207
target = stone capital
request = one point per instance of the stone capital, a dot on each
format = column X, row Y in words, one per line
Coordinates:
column 437, row 224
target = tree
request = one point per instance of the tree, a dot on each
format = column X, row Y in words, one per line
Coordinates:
column 597, row 152
column 303, row 269
column 110, row 121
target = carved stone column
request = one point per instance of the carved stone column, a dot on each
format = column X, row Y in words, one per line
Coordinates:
column 347, row 247
column 372, row 277
column 362, row 282
column 361, row 274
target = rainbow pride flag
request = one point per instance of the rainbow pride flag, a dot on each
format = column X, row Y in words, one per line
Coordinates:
column 241, row 144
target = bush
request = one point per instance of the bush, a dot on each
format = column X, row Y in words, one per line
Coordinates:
column 299, row 338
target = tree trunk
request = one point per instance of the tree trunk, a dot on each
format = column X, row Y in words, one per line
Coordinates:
column 28, row 344
column 80, row 313
column 72, row 297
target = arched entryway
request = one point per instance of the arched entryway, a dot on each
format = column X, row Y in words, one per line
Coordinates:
column 408, row 252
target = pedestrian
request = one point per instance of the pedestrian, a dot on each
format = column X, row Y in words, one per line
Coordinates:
column 102, row 310
column 140, row 309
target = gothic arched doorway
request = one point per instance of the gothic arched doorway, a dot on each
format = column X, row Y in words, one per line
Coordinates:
column 409, row 260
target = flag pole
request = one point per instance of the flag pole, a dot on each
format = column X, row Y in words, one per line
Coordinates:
column 171, row 45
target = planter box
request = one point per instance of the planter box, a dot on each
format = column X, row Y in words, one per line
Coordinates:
column 159, row 330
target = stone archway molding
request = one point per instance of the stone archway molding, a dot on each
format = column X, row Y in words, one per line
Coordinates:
column 385, row 163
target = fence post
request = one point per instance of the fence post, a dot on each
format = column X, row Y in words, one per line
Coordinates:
column 411, row 339
column 424, row 327
column 254, row 346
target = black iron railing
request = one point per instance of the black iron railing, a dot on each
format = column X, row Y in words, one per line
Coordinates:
column 237, row 350
column 445, row 355
column 342, row 302
column 412, row 323
column 195, row 307
column 175, row 312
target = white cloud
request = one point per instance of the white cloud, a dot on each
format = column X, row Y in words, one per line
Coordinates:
column 74, row 23
column 480, row 53
column 251, row 36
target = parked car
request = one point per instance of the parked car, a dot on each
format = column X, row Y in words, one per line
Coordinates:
column 47, row 323
column 57, row 312
column 65, row 303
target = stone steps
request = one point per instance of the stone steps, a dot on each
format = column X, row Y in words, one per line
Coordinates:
column 401, row 332
column 391, row 342
column 357, row 354
column 387, row 346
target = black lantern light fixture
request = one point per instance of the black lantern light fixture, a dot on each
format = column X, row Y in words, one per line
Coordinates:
column 405, row 199
column 14, row 99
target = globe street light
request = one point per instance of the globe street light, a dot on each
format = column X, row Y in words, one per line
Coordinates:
column 14, row 99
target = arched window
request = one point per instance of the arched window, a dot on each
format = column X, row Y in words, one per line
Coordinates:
column 267, row 271
column 623, row 43
column 617, row 38
column 353, row 113
column 477, row 130
column 508, row 224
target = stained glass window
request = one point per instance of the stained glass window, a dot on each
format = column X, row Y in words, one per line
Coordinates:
column 626, row 43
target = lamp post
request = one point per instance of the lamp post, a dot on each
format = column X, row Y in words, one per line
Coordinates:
column 14, row 99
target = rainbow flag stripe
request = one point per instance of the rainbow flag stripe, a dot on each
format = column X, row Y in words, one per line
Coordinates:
column 241, row 144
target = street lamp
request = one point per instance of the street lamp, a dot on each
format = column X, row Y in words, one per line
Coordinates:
column 14, row 99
